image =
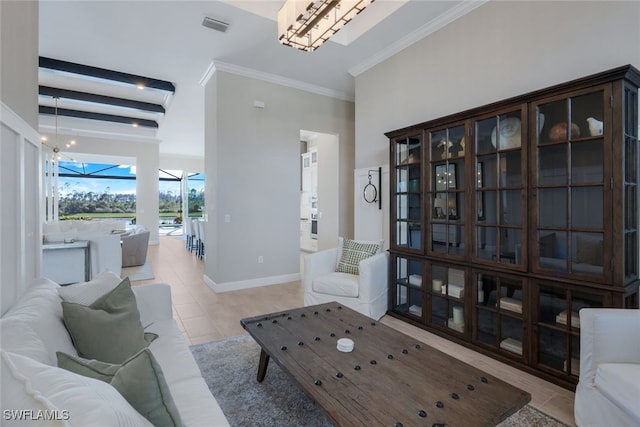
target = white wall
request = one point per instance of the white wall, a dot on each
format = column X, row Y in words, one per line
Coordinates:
column 370, row 219
column 147, row 165
column 181, row 163
column 499, row 50
column 20, row 215
column 252, row 161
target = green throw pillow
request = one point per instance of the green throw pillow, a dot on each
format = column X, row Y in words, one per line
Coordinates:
column 352, row 253
column 109, row 329
column 139, row 380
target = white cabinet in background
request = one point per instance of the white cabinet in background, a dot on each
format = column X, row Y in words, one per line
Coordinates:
column 310, row 172
column 306, row 242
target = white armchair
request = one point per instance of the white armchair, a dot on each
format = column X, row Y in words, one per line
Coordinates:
column 367, row 293
column 608, row 392
column 134, row 248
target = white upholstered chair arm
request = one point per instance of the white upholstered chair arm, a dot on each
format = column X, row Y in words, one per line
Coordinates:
column 319, row 263
column 607, row 335
column 373, row 276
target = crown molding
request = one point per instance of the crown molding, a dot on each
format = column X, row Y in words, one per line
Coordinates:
column 272, row 78
column 211, row 69
column 429, row 28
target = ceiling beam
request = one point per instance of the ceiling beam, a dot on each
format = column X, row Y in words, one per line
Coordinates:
column 100, row 99
column 98, row 116
column 102, row 73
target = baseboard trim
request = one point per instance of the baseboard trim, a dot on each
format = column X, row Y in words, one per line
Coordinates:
column 251, row 283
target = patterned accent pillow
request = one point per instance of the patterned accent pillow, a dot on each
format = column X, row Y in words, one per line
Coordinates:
column 352, row 253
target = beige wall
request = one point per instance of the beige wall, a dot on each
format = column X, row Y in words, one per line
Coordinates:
column 499, row 50
column 19, row 64
column 252, row 159
column 329, row 183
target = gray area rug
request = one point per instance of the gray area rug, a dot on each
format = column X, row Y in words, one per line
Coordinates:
column 229, row 367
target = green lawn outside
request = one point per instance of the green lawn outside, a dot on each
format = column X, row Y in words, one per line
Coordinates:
column 162, row 215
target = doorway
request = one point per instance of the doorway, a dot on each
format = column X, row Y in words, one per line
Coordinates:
column 319, row 196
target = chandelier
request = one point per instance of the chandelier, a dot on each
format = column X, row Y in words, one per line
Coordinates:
column 52, row 171
column 306, row 24
column 55, row 148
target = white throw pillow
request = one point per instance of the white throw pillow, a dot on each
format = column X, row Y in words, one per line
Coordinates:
column 39, row 308
column 73, row 400
column 87, row 292
column 18, row 337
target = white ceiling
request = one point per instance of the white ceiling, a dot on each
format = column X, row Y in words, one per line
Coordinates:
column 165, row 40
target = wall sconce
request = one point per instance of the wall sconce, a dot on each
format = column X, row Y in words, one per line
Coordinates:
column 370, row 192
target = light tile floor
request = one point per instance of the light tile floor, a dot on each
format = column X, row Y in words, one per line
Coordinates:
column 204, row 316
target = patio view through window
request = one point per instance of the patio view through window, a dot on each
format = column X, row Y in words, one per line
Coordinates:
column 92, row 190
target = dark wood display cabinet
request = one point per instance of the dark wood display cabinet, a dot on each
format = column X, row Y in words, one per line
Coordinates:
column 507, row 219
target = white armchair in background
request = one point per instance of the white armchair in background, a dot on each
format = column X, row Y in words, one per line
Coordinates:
column 366, row 292
column 608, row 393
column 134, row 248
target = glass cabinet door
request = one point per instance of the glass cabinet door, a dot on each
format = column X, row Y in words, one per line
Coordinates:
column 447, row 297
column 447, row 196
column 558, row 326
column 630, row 196
column 499, row 313
column 407, row 198
column 570, row 175
column 500, row 189
column 407, row 294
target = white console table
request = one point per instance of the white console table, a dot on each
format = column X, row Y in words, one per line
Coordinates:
column 67, row 263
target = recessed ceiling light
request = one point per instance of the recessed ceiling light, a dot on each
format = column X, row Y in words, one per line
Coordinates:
column 140, row 86
column 72, row 142
column 43, row 138
column 134, row 124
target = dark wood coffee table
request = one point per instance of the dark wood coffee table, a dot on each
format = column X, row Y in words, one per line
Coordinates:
column 389, row 379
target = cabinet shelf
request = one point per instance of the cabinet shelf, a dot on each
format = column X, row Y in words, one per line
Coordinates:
column 458, row 327
column 510, row 304
column 559, row 327
column 512, row 345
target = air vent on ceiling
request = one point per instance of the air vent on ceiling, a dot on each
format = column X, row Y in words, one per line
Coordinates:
column 215, row 24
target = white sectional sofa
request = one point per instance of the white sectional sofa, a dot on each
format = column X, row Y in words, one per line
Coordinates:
column 33, row 331
column 103, row 236
column 608, row 392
